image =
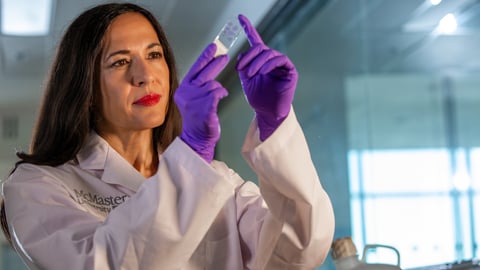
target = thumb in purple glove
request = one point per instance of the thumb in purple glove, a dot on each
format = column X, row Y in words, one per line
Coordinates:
column 268, row 79
column 197, row 99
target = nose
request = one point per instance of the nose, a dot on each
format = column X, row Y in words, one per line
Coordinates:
column 141, row 73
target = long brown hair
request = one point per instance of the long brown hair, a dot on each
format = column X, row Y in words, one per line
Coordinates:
column 68, row 107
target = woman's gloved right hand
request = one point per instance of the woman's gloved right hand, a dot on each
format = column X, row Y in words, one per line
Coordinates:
column 197, row 99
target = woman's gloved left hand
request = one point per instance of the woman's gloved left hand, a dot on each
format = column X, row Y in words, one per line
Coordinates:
column 197, row 99
column 268, row 79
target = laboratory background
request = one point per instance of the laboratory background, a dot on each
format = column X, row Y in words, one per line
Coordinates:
column 388, row 98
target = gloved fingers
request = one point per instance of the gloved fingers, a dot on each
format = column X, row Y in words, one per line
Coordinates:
column 211, row 105
column 246, row 58
column 252, row 34
column 205, row 57
column 215, row 90
column 212, row 90
column 193, row 96
column 280, row 63
column 210, row 71
column 258, row 63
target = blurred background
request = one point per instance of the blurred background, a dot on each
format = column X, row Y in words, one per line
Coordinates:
column 388, row 97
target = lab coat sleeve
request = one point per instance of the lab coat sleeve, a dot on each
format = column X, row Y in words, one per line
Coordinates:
column 159, row 227
column 297, row 229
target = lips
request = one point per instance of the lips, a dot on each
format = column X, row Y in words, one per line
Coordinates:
column 148, row 100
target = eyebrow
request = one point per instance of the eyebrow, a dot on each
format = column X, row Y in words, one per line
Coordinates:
column 152, row 45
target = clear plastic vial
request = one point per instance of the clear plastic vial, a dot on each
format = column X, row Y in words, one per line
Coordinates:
column 227, row 36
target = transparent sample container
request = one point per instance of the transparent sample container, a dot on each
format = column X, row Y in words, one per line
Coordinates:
column 227, row 36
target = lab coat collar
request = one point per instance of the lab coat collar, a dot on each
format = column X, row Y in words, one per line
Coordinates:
column 98, row 155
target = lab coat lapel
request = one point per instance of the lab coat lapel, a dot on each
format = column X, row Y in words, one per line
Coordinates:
column 119, row 171
column 98, row 155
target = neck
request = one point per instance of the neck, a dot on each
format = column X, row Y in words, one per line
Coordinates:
column 137, row 148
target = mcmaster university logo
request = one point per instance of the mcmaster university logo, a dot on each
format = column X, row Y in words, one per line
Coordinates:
column 101, row 203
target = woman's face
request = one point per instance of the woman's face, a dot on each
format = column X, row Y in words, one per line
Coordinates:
column 134, row 77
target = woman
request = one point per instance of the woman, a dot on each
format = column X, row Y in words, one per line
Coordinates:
column 115, row 180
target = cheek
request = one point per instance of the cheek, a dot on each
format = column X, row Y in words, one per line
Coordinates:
column 167, row 86
column 164, row 72
column 111, row 96
column 163, row 79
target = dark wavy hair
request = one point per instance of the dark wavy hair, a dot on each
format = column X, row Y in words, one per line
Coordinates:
column 68, row 110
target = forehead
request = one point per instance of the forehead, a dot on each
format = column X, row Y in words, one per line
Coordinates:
column 130, row 27
column 130, row 19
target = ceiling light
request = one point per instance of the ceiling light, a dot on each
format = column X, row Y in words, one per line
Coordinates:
column 435, row 2
column 26, row 17
column 448, row 24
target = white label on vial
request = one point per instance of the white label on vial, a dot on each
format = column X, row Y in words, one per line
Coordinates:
column 221, row 49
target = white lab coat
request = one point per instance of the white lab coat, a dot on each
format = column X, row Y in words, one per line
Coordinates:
column 98, row 212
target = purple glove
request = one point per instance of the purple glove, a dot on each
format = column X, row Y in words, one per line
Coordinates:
column 268, row 79
column 197, row 99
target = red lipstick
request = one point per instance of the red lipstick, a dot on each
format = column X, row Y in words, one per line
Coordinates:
column 148, row 100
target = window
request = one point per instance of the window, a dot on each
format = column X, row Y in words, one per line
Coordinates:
column 408, row 199
column 412, row 161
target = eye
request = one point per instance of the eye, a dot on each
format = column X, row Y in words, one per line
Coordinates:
column 155, row 55
column 121, row 62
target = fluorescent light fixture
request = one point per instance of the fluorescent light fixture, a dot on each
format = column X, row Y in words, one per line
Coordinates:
column 435, row 2
column 26, row 17
column 448, row 24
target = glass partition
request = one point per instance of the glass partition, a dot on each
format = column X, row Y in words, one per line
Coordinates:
column 388, row 99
